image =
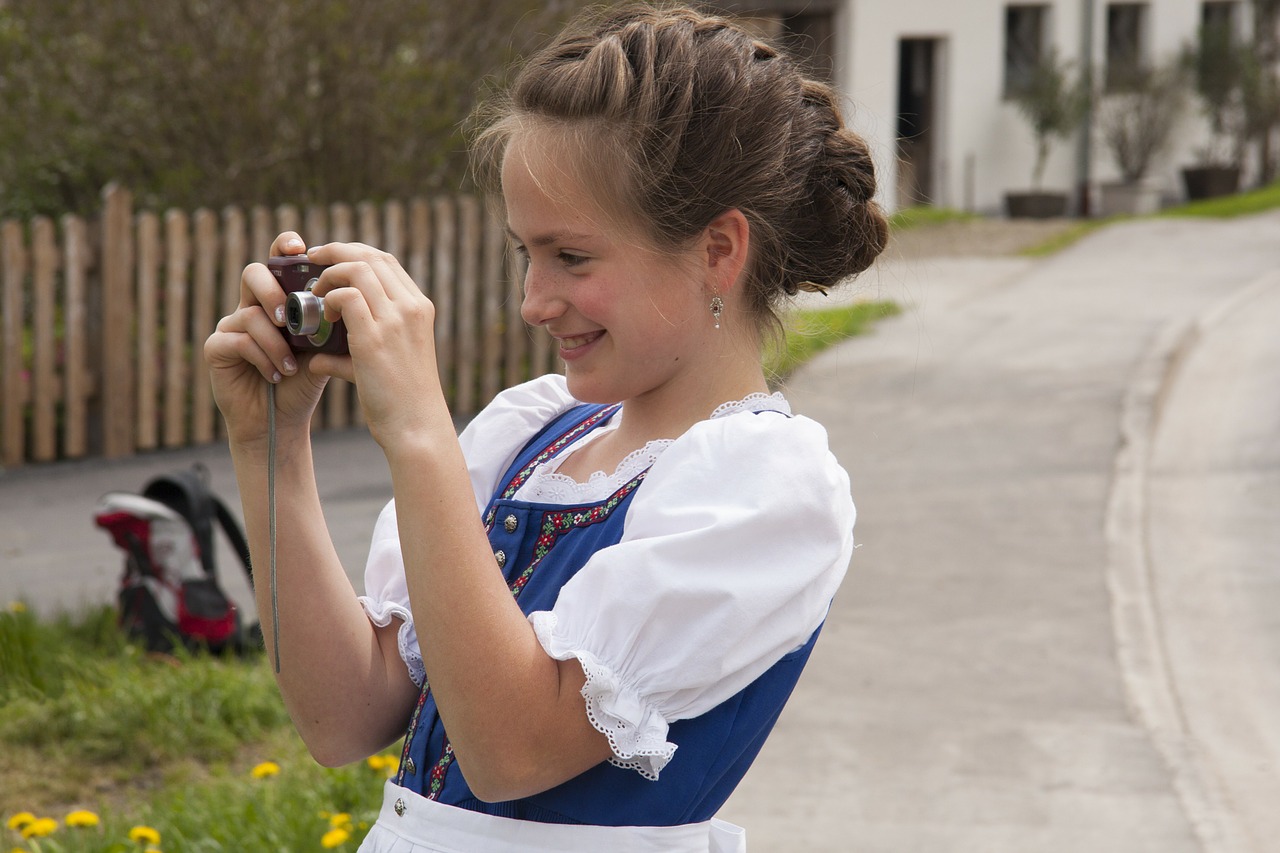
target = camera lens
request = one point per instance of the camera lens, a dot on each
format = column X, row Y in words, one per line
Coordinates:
column 304, row 313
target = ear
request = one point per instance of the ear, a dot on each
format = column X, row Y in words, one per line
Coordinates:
column 727, row 242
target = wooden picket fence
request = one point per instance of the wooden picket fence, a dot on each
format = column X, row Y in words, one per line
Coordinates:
column 103, row 321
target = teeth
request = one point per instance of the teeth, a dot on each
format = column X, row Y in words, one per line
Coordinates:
column 581, row 340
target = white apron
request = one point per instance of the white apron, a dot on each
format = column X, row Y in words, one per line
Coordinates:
column 410, row 823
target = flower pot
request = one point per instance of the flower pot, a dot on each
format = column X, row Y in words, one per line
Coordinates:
column 1035, row 205
column 1133, row 199
column 1210, row 181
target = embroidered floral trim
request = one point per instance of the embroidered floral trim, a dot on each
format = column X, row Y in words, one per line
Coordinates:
column 546, row 485
column 637, row 733
column 549, row 486
column 549, row 452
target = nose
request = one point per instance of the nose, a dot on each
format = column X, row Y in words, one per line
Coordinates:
column 542, row 302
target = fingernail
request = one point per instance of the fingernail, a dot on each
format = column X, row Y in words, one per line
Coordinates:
column 290, row 366
column 279, row 315
column 276, row 377
column 293, row 244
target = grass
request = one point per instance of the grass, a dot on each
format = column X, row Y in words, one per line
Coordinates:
column 914, row 217
column 1228, row 207
column 808, row 332
column 88, row 723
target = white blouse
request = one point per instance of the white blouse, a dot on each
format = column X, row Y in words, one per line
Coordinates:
column 731, row 552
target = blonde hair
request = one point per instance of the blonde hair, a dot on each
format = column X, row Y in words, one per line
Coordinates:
column 677, row 116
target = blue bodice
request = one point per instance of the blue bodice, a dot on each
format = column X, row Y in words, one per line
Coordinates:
column 539, row 547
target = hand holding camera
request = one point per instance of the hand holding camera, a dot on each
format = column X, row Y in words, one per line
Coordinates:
column 306, row 328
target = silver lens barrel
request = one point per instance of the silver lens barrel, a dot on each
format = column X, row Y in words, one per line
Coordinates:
column 304, row 313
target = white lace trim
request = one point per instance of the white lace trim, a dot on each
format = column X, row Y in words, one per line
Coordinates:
column 758, row 402
column 381, row 613
column 637, row 733
column 547, row 485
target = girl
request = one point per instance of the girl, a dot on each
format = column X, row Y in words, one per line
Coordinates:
column 589, row 609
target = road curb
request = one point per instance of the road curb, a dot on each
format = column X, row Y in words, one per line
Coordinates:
column 1131, row 576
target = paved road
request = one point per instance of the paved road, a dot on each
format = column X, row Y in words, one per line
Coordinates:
column 1060, row 630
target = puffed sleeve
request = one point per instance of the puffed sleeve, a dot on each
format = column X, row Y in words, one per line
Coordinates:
column 489, row 444
column 731, row 553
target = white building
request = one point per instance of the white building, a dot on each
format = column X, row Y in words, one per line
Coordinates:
column 928, row 81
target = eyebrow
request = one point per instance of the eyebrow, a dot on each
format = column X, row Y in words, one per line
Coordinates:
column 548, row 239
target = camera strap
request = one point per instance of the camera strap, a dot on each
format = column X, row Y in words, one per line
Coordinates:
column 271, row 520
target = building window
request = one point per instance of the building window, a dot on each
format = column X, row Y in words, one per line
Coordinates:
column 1126, row 45
column 1221, row 16
column 1026, row 35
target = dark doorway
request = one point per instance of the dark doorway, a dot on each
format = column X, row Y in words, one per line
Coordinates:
column 917, row 121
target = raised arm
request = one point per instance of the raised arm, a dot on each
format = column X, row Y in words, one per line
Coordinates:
column 342, row 679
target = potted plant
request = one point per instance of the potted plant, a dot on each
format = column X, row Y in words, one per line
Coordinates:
column 1053, row 101
column 1217, row 65
column 1136, row 124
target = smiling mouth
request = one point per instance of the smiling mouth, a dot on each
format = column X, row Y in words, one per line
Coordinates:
column 577, row 341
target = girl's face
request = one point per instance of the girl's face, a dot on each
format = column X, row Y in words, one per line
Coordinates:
column 631, row 323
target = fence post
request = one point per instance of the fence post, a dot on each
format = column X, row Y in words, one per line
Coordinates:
column 116, row 381
column 147, row 292
column 466, row 311
column 75, row 379
column 441, row 293
column 493, row 279
column 204, row 297
column 45, row 387
column 177, row 240
column 14, row 273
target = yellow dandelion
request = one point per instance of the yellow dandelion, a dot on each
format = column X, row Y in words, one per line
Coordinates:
column 265, row 770
column 334, row 837
column 144, row 835
column 341, row 820
column 40, row 828
column 387, row 763
column 17, row 607
column 21, row 819
column 83, row 817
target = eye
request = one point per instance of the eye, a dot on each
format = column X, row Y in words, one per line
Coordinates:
column 569, row 259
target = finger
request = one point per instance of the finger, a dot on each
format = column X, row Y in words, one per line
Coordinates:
column 337, row 366
column 288, row 243
column 248, row 335
column 258, row 287
column 395, row 280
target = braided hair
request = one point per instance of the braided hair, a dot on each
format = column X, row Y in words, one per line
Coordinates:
column 677, row 116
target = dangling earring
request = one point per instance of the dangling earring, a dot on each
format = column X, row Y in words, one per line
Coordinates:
column 717, row 308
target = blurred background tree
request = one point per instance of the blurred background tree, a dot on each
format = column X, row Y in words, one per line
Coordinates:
column 211, row 102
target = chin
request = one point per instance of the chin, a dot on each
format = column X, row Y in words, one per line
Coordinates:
column 584, row 390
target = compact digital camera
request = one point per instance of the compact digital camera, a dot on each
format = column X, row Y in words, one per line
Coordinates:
column 305, row 326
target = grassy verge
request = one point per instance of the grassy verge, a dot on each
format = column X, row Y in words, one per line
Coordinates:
column 809, row 332
column 1227, row 207
column 914, row 217
column 99, row 742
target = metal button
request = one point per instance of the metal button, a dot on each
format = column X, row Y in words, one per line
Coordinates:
column 501, row 557
column 400, row 808
column 410, row 767
column 510, row 523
